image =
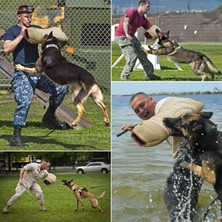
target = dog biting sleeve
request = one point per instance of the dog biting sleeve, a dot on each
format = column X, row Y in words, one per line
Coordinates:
column 36, row 35
column 153, row 131
column 152, row 31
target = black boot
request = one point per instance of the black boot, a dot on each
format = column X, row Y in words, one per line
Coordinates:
column 49, row 120
column 16, row 139
column 152, row 77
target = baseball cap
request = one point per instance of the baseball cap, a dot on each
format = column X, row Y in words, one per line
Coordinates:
column 25, row 9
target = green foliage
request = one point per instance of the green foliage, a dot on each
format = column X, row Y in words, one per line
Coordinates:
column 168, row 71
column 96, row 137
column 59, row 200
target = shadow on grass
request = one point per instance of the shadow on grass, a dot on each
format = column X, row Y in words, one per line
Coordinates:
column 46, row 141
column 41, row 140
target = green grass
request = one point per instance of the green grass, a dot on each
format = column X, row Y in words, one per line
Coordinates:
column 96, row 137
column 59, row 200
column 168, row 71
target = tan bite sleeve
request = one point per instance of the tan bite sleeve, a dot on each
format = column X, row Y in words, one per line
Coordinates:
column 153, row 131
column 36, row 35
column 152, row 31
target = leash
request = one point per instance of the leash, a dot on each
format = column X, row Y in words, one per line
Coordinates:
column 48, row 133
column 96, row 186
column 120, row 134
column 30, row 194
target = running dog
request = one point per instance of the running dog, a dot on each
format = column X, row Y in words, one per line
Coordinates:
column 206, row 142
column 59, row 70
column 200, row 63
column 81, row 193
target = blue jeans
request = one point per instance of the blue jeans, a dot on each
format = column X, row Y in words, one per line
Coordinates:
column 24, row 86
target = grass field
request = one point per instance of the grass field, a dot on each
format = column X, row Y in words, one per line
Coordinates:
column 168, row 71
column 59, row 200
column 95, row 138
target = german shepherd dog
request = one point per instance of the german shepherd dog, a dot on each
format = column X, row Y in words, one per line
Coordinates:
column 206, row 142
column 200, row 63
column 81, row 193
column 59, row 70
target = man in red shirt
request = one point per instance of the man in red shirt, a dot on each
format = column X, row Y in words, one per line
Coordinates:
column 130, row 45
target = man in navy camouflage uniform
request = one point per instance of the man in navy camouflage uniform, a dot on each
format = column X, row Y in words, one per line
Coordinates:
column 24, row 84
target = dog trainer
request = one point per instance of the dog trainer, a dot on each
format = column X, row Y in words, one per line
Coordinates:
column 29, row 175
column 130, row 45
column 24, row 84
column 151, row 132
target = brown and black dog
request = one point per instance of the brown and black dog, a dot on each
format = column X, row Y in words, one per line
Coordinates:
column 81, row 193
column 57, row 68
column 200, row 63
column 206, row 142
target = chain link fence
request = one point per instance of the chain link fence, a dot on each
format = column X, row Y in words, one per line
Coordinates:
column 86, row 23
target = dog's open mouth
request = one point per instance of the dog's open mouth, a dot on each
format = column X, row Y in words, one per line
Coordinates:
column 65, row 182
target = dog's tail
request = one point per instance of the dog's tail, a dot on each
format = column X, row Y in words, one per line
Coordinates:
column 211, row 66
column 102, row 194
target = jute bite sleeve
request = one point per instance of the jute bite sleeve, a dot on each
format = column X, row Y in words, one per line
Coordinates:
column 36, row 35
column 153, row 131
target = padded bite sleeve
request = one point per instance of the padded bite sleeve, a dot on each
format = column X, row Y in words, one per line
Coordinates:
column 153, row 131
column 36, row 35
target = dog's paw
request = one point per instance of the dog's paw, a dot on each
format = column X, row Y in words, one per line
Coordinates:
column 19, row 67
column 143, row 49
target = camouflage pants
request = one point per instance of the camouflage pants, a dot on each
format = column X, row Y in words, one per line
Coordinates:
column 131, row 50
column 20, row 190
column 24, row 87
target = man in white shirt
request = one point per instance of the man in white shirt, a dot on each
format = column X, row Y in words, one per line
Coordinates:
column 29, row 175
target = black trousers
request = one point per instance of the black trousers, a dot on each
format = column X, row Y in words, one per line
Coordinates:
column 182, row 187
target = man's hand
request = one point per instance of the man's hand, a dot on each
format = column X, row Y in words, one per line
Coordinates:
column 129, row 37
column 21, row 182
column 127, row 127
column 22, row 32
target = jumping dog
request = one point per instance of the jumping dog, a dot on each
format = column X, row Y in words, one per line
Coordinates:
column 206, row 142
column 57, row 68
column 200, row 63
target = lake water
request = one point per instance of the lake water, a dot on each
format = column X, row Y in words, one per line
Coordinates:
column 139, row 174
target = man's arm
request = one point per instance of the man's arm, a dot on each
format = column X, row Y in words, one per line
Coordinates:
column 10, row 45
column 125, row 28
column 21, row 175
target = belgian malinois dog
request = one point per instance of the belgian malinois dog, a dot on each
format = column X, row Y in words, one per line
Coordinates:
column 57, row 68
column 200, row 63
column 206, row 142
column 81, row 193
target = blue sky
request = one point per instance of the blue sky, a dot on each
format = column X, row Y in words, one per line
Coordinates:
column 123, row 88
column 172, row 5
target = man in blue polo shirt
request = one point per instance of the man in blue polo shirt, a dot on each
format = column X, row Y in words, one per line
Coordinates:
column 24, row 84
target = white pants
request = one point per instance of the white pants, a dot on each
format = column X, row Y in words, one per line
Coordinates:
column 20, row 190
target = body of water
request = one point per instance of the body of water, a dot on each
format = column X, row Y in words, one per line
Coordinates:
column 139, row 174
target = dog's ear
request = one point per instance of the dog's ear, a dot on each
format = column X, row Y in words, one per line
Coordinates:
column 206, row 115
column 45, row 36
column 168, row 34
column 50, row 35
column 71, row 180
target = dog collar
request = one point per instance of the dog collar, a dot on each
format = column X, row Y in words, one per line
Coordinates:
column 52, row 45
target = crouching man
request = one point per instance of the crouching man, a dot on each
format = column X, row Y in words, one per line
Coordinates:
column 29, row 175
